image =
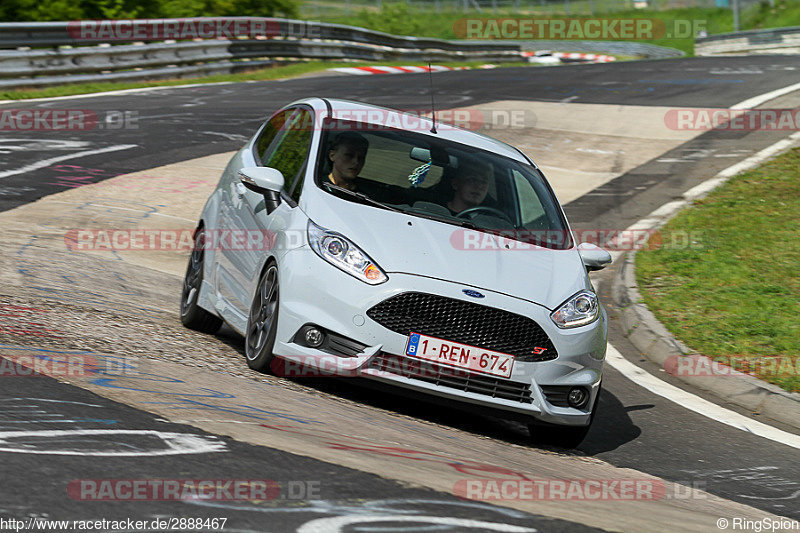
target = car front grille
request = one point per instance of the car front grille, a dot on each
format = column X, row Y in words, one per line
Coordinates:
column 452, row 378
column 465, row 322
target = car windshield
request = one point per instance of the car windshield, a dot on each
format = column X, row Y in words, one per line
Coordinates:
column 430, row 177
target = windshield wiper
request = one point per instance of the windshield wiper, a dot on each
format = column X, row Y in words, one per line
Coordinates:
column 361, row 196
column 454, row 221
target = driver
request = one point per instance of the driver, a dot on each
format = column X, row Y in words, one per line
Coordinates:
column 347, row 154
column 470, row 187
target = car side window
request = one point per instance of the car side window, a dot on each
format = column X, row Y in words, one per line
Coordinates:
column 290, row 152
column 268, row 134
column 530, row 206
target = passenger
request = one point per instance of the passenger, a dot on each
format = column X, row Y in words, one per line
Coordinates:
column 470, row 186
column 347, row 154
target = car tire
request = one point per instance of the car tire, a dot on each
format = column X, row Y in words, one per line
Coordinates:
column 192, row 315
column 562, row 436
column 262, row 322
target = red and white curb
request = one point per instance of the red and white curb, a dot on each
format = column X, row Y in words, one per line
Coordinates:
column 556, row 57
column 361, row 71
column 594, row 58
column 575, row 56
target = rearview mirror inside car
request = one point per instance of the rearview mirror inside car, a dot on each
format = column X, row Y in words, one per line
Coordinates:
column 439, row 157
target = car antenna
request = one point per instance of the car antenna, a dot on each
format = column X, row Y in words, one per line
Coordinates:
column 433, row 106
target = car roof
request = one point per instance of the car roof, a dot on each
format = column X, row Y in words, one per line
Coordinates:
column 344, row 109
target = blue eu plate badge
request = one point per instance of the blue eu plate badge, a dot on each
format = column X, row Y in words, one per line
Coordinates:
column 413, row 344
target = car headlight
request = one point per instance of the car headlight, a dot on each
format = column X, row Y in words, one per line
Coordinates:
column 579, row 310
column 339, row 251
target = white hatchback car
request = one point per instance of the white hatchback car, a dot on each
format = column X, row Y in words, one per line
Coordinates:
column 348, row 239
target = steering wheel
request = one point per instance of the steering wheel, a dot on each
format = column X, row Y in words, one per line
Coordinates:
column 484, row 208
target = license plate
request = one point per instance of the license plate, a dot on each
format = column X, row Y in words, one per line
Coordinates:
column 459, row 355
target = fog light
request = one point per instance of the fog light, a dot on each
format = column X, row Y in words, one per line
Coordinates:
column 577, row 397
column 314, row 337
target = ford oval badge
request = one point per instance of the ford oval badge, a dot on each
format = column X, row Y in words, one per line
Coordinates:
column 474, row 294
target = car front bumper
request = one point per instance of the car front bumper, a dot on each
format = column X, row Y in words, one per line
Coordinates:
column 315, row 292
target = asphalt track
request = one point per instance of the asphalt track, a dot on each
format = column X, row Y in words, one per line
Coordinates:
column 51, row 406
column 178, row 124
column 636, row 429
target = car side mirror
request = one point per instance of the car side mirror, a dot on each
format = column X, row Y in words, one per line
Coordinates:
column 594, row 257
column 264, row 180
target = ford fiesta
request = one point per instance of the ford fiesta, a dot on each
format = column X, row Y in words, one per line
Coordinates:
column 357, row 240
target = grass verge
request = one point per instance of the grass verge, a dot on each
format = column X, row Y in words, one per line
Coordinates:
column 400, row 19
column 733, row 294
column 272, row 73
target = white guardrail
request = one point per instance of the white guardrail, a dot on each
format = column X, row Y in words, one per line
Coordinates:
column 82, row 51
column 48, row 53
column 772, row 41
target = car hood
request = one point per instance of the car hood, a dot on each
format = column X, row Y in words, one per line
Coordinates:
column 407, row 244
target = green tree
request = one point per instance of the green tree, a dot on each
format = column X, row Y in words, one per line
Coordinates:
column 264, row 8
column 65, row 10
column 31, row 10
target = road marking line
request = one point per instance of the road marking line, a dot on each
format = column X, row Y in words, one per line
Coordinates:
column 339, row 523
column 47, row 162
column 694, row 403
column 756, row 101
column 174, row 443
